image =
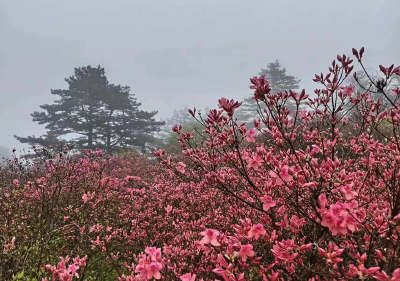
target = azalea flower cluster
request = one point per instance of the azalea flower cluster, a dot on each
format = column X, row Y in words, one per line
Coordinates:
column 323, row 183
column 149, row 266
column 65, row 272
column 307, row 195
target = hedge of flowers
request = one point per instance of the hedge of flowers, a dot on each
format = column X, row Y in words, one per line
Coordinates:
column 307, row 195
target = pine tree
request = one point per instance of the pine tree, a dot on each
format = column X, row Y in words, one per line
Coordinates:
column 103, row 115
column 279, row 82
column 49, row 139
column 181, row 117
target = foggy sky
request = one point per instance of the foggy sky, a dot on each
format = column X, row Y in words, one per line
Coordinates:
column 178, row 52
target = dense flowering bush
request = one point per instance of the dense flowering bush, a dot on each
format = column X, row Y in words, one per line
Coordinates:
column 310, row 197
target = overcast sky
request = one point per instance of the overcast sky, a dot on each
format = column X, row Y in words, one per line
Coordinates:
column 174, row 53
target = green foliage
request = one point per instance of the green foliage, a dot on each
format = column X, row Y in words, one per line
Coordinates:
column 167, row 138
column 172, row 139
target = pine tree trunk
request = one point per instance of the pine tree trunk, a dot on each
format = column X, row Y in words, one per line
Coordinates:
column 108, row 145
column 108, row 139
column 90, row 134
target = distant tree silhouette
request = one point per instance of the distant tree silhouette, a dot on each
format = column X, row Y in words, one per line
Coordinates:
column 103, row 115
column 279, row 82
column 181, row 117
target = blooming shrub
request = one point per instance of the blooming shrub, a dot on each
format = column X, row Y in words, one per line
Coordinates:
column 310, row 197
column 66, row 272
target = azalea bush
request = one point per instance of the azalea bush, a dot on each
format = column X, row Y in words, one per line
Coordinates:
column 325, row 188
column 310, row 195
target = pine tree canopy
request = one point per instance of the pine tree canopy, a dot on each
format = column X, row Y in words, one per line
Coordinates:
column 97, row 113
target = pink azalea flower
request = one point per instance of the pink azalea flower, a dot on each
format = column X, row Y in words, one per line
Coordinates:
column 154, row 253
column 396, row 92
column 338, row 220
column 254, row 162
column 250, row 135
column 246, row 251
column 80, row 261
column 396, row 275
column 382, row 276
column 379, row 255
column 141, row 269
column 64, row 276
column 349, row 222
column 85, row 198
column 261, row 86
column 349, row 193
column 333, row 223
column 153, row 270
column 201, row 246
column 348, row 90
column 168, row 209
column 210, row 237
column 148, row 270
column 256, row 231
column 322, row 200
column 188, row 277
column 268, row 202
column 177, row 128
column 228, row 105
column 128, row 178
column 72, row 269
column 283, row 175
column 332, row 256
column 181, row 167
